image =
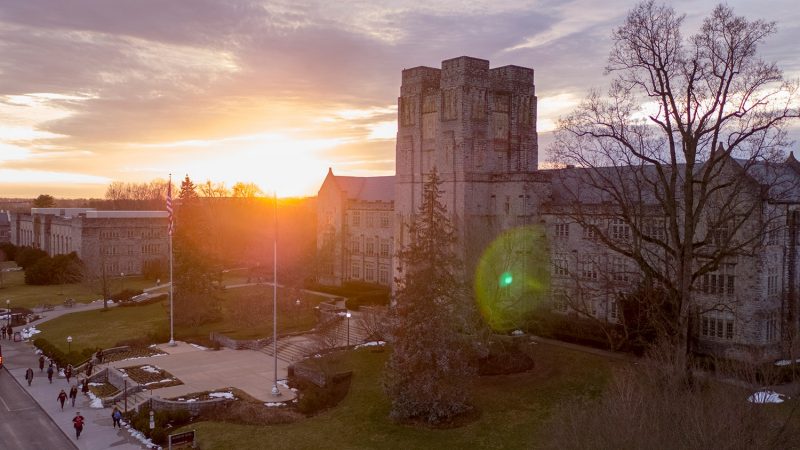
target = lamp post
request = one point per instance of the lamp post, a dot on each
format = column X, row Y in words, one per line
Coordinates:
column 69, row 344
column 348, row 328
column 8, row 311
column 122, row 281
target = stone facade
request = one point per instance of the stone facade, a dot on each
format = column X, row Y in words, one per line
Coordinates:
column 354, row 230
column 111, row 242
column 477, row 127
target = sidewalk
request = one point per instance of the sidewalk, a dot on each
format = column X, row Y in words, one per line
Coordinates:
column 98, row 433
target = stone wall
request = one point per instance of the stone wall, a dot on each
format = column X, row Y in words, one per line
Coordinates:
column 194, row 408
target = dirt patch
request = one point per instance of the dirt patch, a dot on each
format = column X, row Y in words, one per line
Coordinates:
column 150, row 376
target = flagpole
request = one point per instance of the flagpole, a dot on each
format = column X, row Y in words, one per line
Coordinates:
column 171, row 292
column 275, row 390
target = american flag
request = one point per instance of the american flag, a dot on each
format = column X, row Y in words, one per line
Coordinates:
column 169, row 206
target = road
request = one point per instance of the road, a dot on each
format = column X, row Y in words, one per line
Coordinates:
column 23, row 424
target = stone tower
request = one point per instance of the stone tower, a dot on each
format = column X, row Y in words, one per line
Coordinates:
column 477, row 127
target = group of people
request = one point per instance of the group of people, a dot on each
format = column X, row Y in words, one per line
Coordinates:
column 7, row 331
column 52, row 368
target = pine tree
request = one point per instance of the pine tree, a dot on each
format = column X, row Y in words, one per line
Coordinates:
column 188, row 191
column 429, row 373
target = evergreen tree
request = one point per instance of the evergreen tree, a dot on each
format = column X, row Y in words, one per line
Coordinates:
column 429, row 373
column 44, row 201
column 188, row 190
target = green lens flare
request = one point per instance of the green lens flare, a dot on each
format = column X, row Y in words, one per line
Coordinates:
column 513, row 277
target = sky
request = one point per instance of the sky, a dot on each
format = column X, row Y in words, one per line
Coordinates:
column 274, row 92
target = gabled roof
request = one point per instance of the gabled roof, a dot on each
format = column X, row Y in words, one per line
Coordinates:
column 369, row 189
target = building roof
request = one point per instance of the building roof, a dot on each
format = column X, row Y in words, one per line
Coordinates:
column 369, row 189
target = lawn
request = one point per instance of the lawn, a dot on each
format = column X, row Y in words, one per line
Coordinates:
column 27, row 296
column 512, row 409
column 98, row 328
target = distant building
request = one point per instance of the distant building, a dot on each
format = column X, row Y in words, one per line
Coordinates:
column 110, row 242
column 5, row 227
column 354, row 230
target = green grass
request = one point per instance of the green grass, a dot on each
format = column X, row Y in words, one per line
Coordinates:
column 512, row 409
column 27, row 296
column 98, row 328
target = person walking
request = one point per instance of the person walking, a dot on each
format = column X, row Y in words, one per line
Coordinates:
column 77, row 422
column 41, row 363
column 9, row 332
column 73, row 394
column 29, row 375
column 50, row 372
column 62, row 397
column 116, row 416
column 85, row 387
column 89, row 367
column 68, row 372
column 4, row 331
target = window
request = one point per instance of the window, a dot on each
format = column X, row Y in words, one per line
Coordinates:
column 589, row 267
column 717, row 326
column 560, row 301
column 560, row 264
column 774, row 236
column 771, row 327
column 562, row 230
column 772, row 280
column 590, row 230
column 370, row 247
column 384, row 219
column 383, row 275
column 355, row 270
column 619, row 268
column 370, row 219
column 355, row 246
column 720, row 234
column 369, row 272
column 613, row 310
column 720, row 282
column 385, row 248
column 355, row 218
column 620, row 231
column 654, row 228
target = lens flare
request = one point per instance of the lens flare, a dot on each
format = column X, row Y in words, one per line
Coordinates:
column 513, row 277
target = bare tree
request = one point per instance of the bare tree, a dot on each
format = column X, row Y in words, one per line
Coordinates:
column 245, row 190
column 214, row 190
column 670, row 158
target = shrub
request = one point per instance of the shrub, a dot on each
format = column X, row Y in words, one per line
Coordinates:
column 56, row 270
column 371, row 298
column 28, row 256
column 507, row 355
column 314, row 399
column 60, row 357
column 125, row 295
column 9, row 251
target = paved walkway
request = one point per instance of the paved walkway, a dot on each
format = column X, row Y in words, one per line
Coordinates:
column 98, row 433
column 213, row 370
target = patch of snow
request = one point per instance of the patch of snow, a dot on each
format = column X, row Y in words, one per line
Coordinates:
column 371, row 344
column 92, row 383
column 786, row 362
column 150, row 369
column 61, row 373
column 139, row 436
column 317, row 356
column 95, row 401
column 39, row 352
column 27, row 333
column 517, row 333
column 199, row 347
column 766, row 397
column 152, row 346
column 191, row 400
column 160, row 381
column 221, row 395
column 274, row 404
column 282, row 383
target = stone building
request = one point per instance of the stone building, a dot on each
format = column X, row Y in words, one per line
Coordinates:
column 111, row 242
column 477, row 126
column 354, row 229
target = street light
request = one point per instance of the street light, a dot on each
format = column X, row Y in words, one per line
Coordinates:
column 348, row 328
column 8, row 311
column 69, row 344
column 122, row 281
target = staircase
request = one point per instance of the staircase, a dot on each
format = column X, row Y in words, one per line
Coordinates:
column 134, row 401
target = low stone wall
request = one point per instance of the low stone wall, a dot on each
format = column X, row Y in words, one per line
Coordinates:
column 115, row 378
column 239, row 344
column 194, row 408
